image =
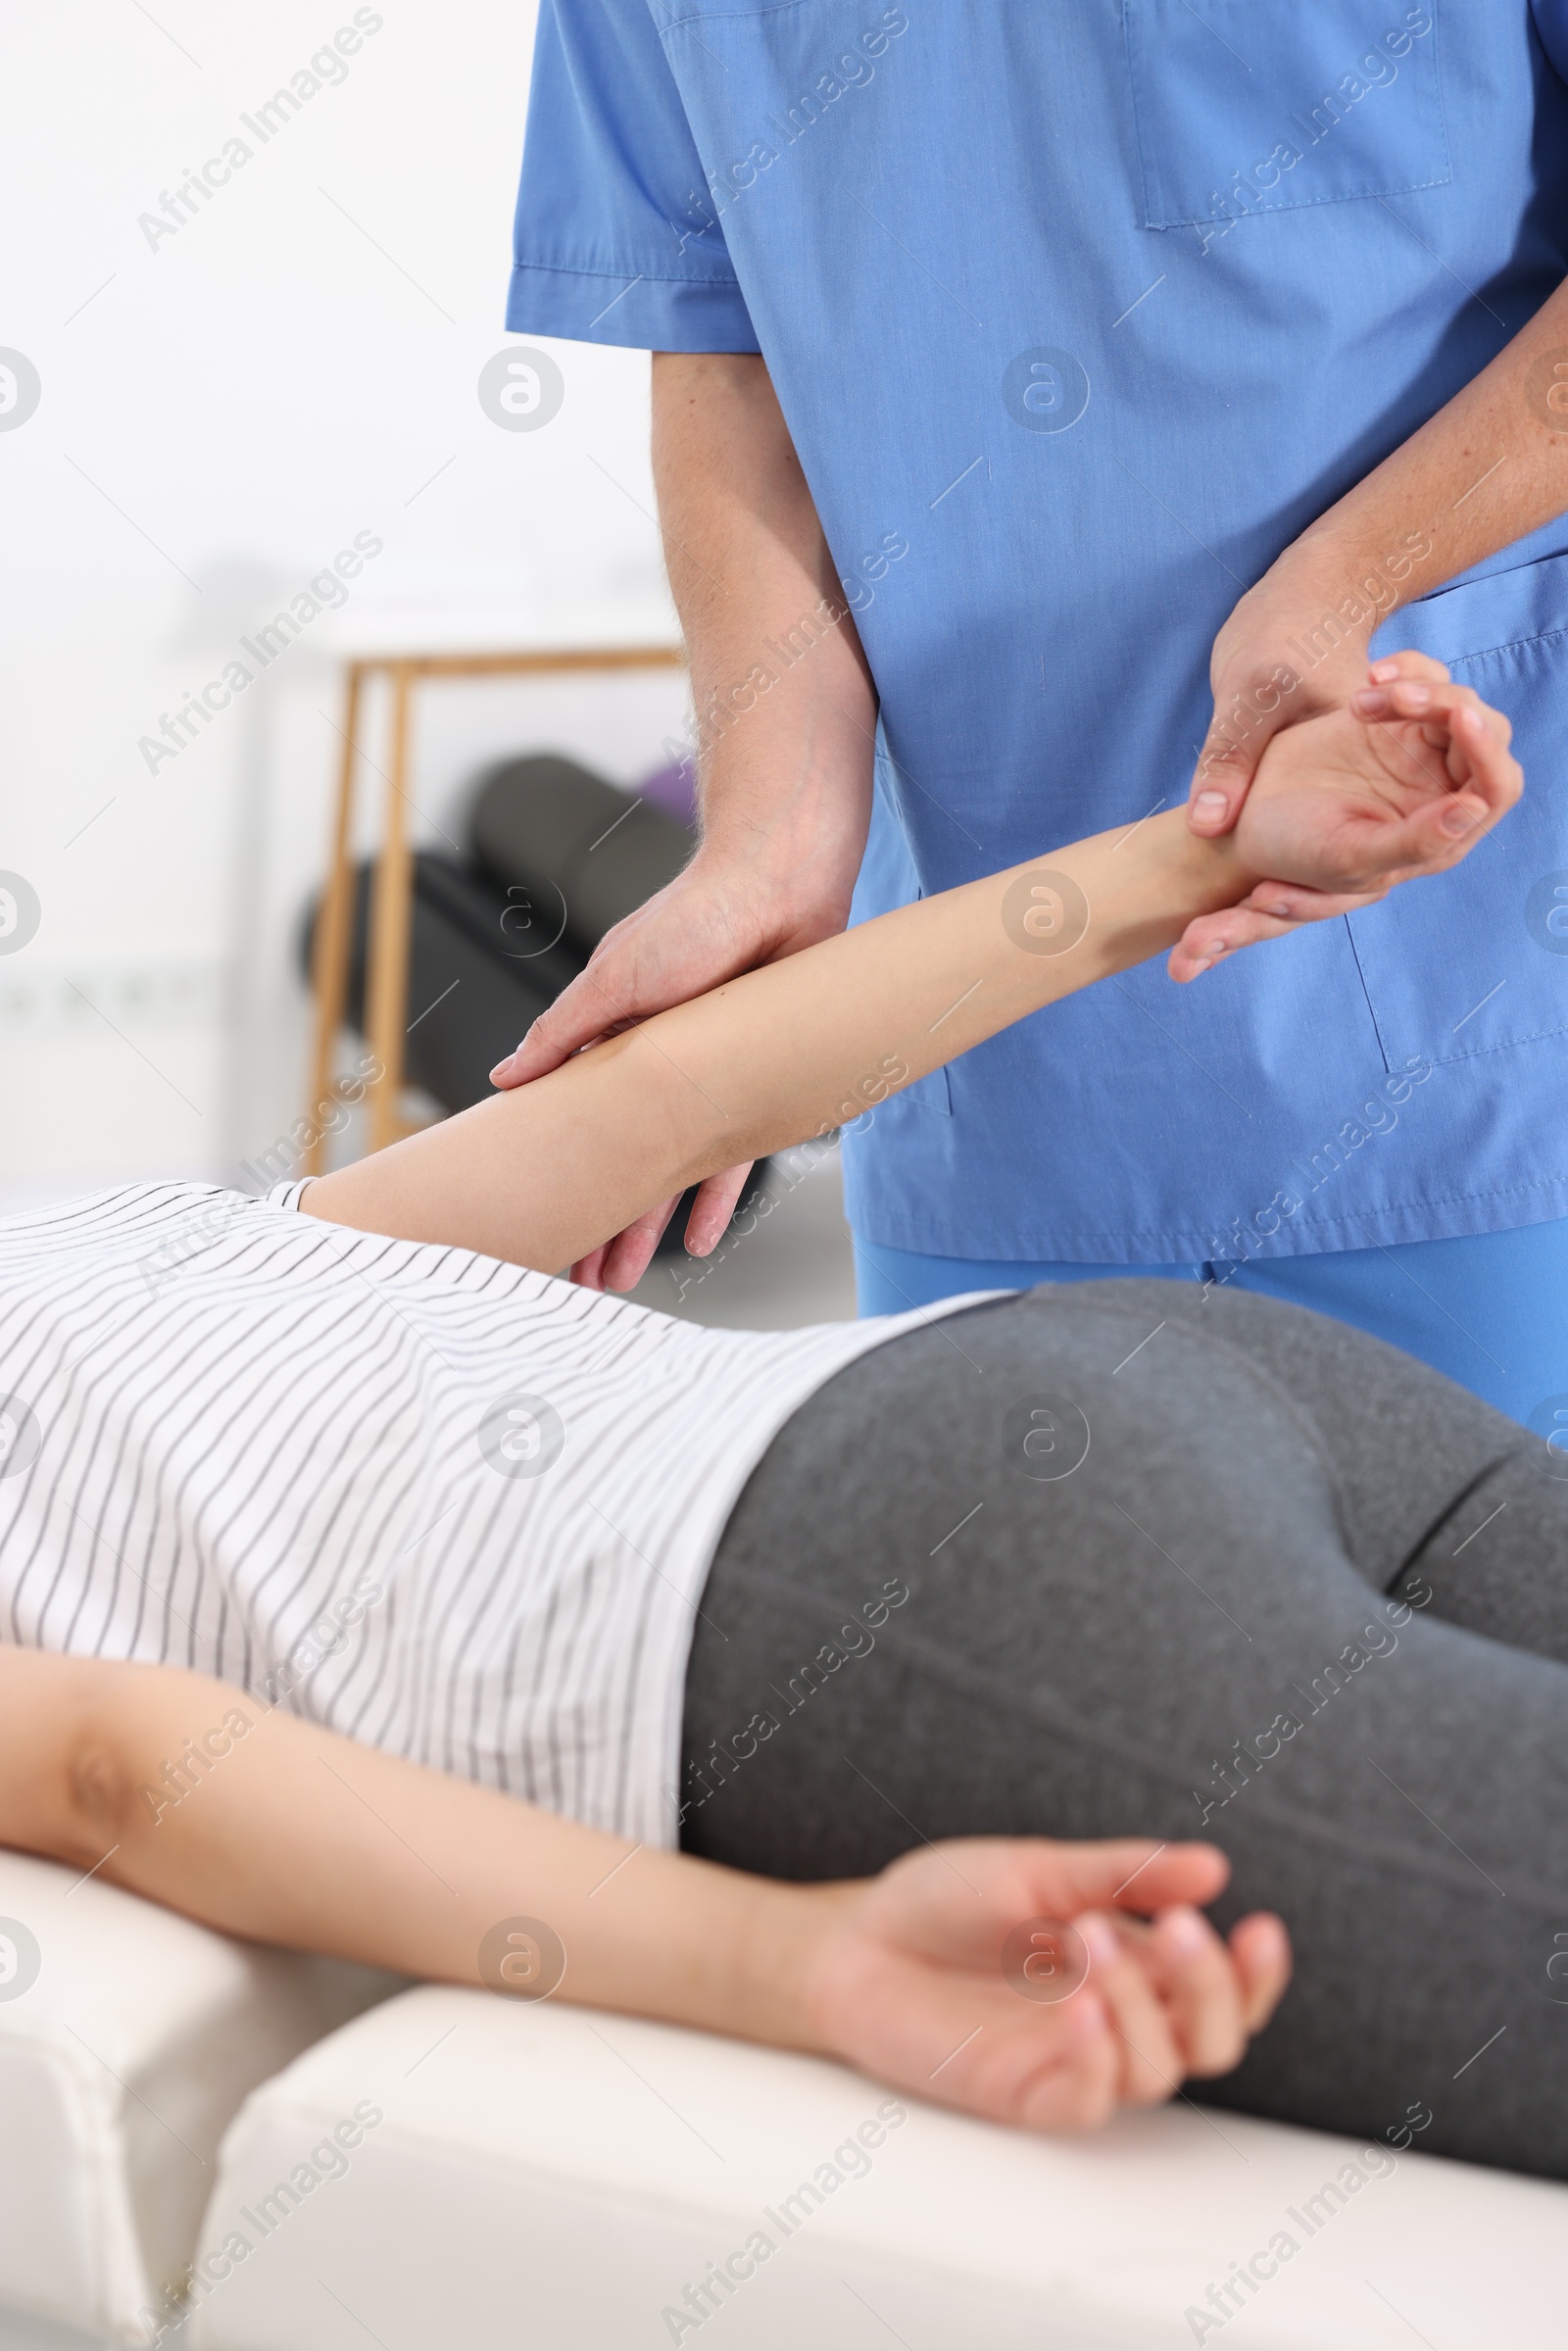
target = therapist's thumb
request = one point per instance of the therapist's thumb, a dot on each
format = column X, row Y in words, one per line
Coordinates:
column 1223, row 776
column 584, row 1011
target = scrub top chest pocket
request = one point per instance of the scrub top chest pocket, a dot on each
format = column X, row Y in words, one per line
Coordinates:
column 1271, row 105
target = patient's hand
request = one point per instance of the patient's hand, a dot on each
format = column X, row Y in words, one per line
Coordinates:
column 1403, row 781
column 908, row 1980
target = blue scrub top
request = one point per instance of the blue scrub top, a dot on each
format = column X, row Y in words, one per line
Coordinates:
column 1078, row 314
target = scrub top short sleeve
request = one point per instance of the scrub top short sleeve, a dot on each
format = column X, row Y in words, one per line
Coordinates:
column 616, row 241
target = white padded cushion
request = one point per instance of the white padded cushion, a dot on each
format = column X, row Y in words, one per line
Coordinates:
column 551, row 2179
column 119, row 2068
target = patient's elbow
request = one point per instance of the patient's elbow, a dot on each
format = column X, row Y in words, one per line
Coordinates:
column 75, row 1804
column 69, row 1743
column 101, row 1803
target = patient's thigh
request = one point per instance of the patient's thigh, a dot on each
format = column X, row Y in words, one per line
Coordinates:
column 1038, row 1505
column 1148, row 1622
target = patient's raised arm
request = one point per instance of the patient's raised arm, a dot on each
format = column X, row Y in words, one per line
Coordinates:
column 545, row 1173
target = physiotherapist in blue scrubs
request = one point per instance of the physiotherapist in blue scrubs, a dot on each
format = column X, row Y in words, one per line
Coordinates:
column 1050, row 404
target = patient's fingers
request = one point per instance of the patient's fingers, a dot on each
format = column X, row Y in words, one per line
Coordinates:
column 1261, row 1950
column 1411, row 686
column 911, row 1982
column 1153, row 2064
column 1406, row 664
column 1423, row 698
column 1212, row 2003
column 1071, row 2080
column 1217, row 1994
column 1457, row 751
column 1475, row 779
column 1461, row 743
column 1203, row 1991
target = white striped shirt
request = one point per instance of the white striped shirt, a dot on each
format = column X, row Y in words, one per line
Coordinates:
column 457, row 1509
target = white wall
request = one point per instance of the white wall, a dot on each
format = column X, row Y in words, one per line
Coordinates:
column 221, row 409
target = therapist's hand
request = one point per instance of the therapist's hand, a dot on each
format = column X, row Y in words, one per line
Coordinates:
column 785, row 711
column 1277, row 662
column 732, row 908
column 1402, row 782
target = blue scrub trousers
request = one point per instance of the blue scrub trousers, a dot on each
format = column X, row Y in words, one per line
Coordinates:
column 1488, row 1309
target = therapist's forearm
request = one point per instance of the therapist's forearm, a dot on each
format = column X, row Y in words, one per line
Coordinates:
column 785, row 709
column 1490, row 468
column 781, row 1053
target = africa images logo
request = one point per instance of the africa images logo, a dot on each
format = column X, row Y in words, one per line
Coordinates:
column 1547, row 913
column 522, row 388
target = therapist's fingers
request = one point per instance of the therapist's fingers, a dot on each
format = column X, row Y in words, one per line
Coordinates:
column 589, row 1272
column 715, row 1203
column 1226, row 766
column 1270, row 911
column 581, row 1015
column 618, row 986
column 621, row 1263
column 1250, row 707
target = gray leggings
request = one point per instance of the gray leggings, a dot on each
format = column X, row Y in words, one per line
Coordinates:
column 1299, row 1595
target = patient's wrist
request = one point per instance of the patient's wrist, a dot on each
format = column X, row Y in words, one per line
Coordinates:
column 1232, row 873
column 777, row 1955
column 1196, row 873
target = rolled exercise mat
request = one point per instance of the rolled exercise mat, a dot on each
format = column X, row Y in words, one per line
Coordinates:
column 480, row 969
column 583, row 853
column 490, row 942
